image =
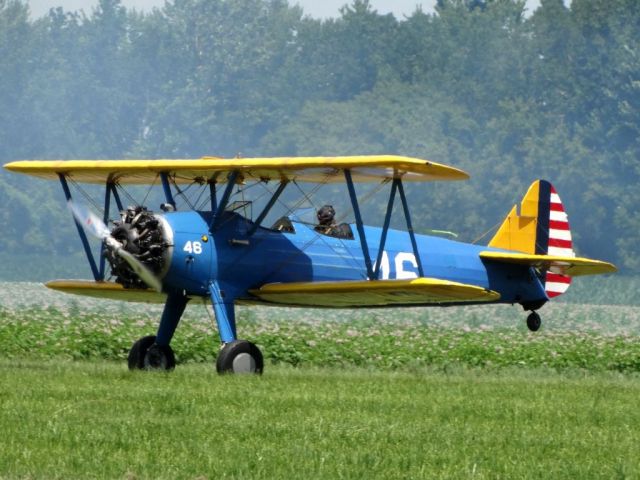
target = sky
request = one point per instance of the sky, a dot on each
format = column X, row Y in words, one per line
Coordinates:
column 315, row 8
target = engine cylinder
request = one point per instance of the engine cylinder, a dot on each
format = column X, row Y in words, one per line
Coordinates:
column 146, row 236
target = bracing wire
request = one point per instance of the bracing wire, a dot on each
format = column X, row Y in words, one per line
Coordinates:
column 289, row 210
column 486, row 233
column 318, row 235
column 146, row 196
column 88, row 198
column 199, row 203
column 183, row 193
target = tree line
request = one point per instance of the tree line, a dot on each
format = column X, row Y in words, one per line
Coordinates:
column 477, row 84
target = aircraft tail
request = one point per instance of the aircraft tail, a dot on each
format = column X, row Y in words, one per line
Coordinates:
column 542, row 228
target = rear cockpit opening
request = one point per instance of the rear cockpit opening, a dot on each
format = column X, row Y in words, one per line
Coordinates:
column 283, row 224
column 341, row 230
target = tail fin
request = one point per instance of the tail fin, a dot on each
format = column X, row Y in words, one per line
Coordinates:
column 541, row 227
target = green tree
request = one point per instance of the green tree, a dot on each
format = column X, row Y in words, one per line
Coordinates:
column 228, row 82
column 15, row 69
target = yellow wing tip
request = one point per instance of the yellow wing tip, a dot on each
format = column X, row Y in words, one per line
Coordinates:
column 105, row 290
column 14, row 166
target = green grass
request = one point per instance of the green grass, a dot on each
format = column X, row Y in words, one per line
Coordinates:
column 97, row 420
column 412, row 393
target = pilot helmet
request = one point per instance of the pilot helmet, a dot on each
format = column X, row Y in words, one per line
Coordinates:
column 326, row 214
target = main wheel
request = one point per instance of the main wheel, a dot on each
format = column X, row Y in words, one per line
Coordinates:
column 146, row 355
column 240, row 356
column 534, row 322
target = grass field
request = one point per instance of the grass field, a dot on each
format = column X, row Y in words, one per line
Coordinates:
column 412, row 393
column 97, row 420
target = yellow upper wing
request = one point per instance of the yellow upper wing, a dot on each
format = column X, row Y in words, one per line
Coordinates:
column 364, row 168
column 365, row 293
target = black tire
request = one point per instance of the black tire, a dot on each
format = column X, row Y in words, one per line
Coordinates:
column 146, row 355
column 534, row 322
column 240, row 356
column 139, row 351
column 160, row 357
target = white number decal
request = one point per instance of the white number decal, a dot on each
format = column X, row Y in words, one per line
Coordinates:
column 193, row 247
column 384, row 266
column 401, row 258
column 400, row 262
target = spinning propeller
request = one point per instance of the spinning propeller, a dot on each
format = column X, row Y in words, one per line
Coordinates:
column 96, row 227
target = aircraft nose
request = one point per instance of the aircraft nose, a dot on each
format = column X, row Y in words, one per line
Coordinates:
column 146, row 236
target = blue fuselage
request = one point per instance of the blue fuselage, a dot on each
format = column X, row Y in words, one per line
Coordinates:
column 241, row 262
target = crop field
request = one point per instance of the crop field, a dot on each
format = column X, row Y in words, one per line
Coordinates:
column 462, row 392
column 38, row 323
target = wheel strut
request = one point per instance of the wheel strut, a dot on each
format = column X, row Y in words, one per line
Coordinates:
column 235, row 356
column 154, row 352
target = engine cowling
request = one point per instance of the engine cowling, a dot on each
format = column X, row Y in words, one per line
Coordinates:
column 147, row 237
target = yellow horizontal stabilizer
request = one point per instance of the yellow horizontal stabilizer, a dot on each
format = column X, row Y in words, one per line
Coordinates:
column 572, row 266
column 364, row 168
column 373, row 293
column 107, row 290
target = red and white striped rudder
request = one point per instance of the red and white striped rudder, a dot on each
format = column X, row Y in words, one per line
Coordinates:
column 558, row 237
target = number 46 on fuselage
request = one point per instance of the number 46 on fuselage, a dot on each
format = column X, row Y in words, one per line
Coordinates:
column 225, row 257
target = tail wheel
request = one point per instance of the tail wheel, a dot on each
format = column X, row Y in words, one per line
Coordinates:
column 146, row 355
column 534, row 321
column 240, row 356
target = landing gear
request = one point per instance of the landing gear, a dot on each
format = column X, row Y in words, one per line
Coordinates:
column 240, row 356
column 235, row 356
column 534, row 321
column 154, row 352
column 145, row 354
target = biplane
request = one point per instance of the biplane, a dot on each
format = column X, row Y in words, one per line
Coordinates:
column 222, row 255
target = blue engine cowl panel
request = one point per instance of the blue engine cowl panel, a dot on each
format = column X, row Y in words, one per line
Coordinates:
column 193, row 256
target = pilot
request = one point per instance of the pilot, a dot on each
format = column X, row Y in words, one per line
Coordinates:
column 327, row 224
column 326, row 220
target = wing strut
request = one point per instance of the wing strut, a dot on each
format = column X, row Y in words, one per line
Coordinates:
column 231, row 182
column 397, row 186
column 105, row 220
column 81, row 232
column 114, row 192
column 412, row 235
column 110, row 189
column 167, row 189
column 385, row 228
column 212, row 194
column 268, row 207
column 359, row 225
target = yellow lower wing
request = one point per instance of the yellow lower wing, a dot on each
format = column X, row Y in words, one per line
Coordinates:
column 107, row 290
column 373, row 293
column 572, row 266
